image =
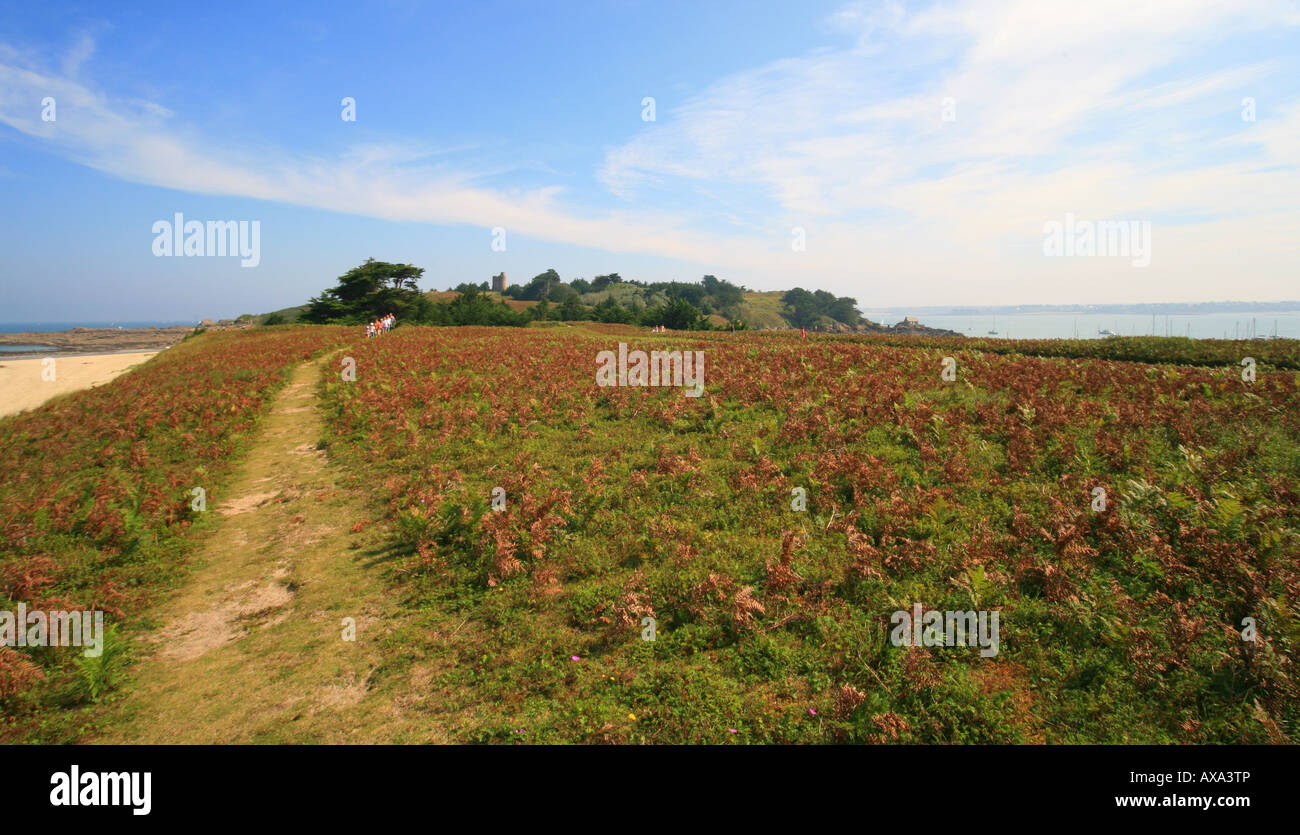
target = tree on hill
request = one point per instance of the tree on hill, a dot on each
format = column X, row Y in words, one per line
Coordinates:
column 693, row 294
column 572, row 310
column 472, row 307
column 800, row 307
column 611, row 311
column 678, row 315
column 727, row 297
column 845, row 309
column 540, row 286
column 803, row 309
column 369, row 291
column 377, row 287
column 561, row 293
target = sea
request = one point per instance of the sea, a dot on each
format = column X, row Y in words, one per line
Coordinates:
column 1282, row 323
column 42, row 327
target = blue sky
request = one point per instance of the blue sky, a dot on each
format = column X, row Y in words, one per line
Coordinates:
column 528, row 116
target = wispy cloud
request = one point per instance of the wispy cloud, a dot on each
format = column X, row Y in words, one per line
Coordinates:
column 78, row 55
column 139, row 142
column 1058, row 108
column 1106, row 109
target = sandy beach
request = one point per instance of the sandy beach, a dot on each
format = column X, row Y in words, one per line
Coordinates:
column 23, row 387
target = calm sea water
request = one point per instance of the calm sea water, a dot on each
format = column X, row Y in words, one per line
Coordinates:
column 41, row 327
column 1089, row 326
column 23, row 349
column 1008, row 326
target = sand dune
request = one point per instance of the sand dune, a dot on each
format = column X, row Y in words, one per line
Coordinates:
column 22, row 385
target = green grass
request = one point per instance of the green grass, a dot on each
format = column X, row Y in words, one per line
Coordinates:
column 98, row 512
column 1115, row 632
column 773, row 624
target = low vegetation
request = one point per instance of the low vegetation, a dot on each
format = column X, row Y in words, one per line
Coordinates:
column 533, row 526
column 1217, row 353
column 1117, row 625
column 97, row 496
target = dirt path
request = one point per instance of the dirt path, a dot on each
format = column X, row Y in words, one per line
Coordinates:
column 252, row 649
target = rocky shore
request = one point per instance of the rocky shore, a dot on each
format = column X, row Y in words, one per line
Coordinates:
column 906, row 327
column 100, row 340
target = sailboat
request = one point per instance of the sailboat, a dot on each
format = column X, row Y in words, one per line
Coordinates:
column 994, row 332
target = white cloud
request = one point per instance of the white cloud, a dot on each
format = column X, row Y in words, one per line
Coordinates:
column 134, row 141
column 78, row 55
column 1061, row 107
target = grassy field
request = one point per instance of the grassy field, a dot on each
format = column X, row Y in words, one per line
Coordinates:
column 96, row 502
column 772, row 624
column 764, row 310
column 976, row 490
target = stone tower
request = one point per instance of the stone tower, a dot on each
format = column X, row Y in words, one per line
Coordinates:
column 499, row 283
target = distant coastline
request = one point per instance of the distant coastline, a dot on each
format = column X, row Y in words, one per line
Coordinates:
column 56, row 327
column 1149, row 308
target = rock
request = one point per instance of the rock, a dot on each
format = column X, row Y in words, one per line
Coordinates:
column 907, row 327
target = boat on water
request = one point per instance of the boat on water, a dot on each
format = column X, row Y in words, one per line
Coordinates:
column 1106, row 332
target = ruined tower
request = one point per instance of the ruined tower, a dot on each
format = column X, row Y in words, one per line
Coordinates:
column 499, row 283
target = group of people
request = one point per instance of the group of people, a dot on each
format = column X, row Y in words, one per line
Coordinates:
column 381, row 325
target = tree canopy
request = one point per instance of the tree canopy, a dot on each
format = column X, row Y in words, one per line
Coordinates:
column 472, row 307
column 803, row 309
column 370, row 291
column 376, row 288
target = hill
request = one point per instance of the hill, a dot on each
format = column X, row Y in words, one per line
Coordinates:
column 711, row 303
column 283, row 316
column 446, row 296
column 763, row 310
